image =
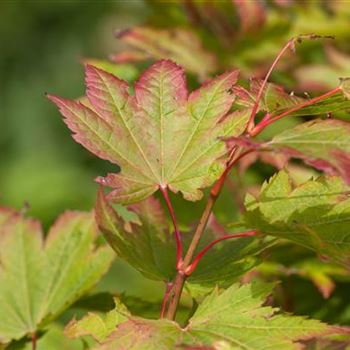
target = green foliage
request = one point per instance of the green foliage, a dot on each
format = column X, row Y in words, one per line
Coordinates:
column 40, row 278
column 160, row 136
column 315, row 214
column 149, row 247
column 234, row 318
column 98, row 326
column 324, row 144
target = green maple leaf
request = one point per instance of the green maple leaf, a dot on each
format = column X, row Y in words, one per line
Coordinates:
column 41, row 278
column 324, row 144
column 233, row 319
column 160, row 136
column 315, row 214
column 149, row 246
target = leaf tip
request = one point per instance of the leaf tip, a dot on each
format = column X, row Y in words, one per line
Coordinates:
column 58, row 101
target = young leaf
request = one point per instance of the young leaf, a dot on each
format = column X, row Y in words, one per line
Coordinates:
column 276, row 101
column 39, row 279
column 158, row 137
column 178, row 44
column 99, row 327
column 315, row 214
column 274, row 97
column 234, row 318
column 150, row 246
column 324, row 144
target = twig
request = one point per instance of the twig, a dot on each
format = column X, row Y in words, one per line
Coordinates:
column 164, row 191
column 267, row 121
column 290, row 44
column 168, row 288
column 189, row 270
column 181, row 276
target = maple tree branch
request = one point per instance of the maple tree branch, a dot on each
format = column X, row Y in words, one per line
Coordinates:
column 267, row 121
column 181, row 276
column 190, row 269
column 214, row 194
column 290, row 44
column 168, row 288
column 164, row 191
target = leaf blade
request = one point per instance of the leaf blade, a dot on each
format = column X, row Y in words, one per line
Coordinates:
column 30, row 281
column 158, row 135
column 324, row 144
column 314, row 214
column 234, row 318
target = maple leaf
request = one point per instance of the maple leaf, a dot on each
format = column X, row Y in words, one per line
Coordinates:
column 315, row 214
column 148, row 245
column 41, row 278
column 159, row 136
column 178, row 44
column 323, row 144
column 233, row 319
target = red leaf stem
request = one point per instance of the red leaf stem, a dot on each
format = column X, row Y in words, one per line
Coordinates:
column 164, row 191
column 189, row 270
column 290, row 44
column 168, row 289
column 268, row 120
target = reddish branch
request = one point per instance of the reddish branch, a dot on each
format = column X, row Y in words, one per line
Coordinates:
column 168, row 288
column 268, row 120
column 290, row 44
column 181, row 276
column 164, row 191
column 190, row 269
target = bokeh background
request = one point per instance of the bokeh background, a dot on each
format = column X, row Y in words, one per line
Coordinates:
column 43, row 45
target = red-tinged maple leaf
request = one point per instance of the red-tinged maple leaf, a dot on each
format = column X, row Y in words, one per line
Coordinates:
column 160, row 136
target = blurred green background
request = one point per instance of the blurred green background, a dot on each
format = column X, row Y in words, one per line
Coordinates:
column 42, row 44
column 42, row 47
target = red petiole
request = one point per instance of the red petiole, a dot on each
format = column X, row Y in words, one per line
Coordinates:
column 164, row 191
column 290, row 44
column 267, row 120
column 190, row 269
column 168, row 289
